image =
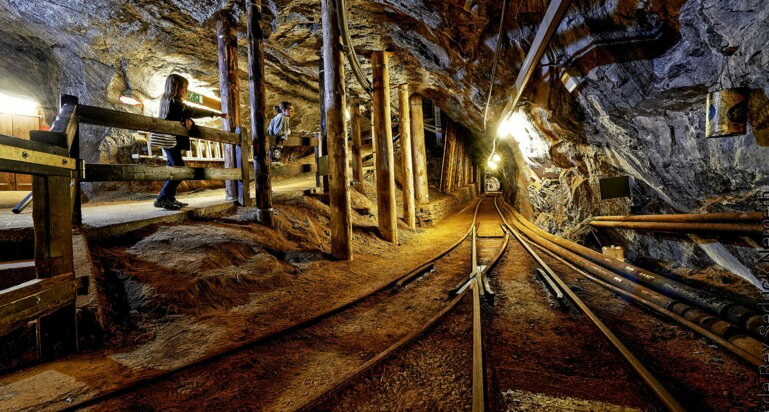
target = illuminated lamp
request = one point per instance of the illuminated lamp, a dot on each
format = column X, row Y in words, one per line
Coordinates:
column 496, row 158
column 492, row 165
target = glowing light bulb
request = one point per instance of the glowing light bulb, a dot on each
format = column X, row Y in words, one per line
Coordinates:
column 513, row 124
column 492, row 165
column 496, row 158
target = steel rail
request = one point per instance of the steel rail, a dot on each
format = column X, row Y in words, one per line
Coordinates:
column 474, row 281
column 688, row 217
column 656, row 387
column 73, row 404
column 660, row 310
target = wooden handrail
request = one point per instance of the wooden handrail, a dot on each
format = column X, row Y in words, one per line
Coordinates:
column 123, row 120
column 136, row 173
column 66, row 122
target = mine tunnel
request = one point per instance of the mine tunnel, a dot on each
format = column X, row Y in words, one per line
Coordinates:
column 390, row 205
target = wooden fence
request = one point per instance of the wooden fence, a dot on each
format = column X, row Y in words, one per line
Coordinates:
column 53, row 158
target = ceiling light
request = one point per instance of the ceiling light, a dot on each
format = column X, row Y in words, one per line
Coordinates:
column 492, row 165
column 514, row 124
column 496, row 158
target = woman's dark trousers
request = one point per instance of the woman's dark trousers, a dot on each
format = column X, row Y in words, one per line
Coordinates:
column 174, row 157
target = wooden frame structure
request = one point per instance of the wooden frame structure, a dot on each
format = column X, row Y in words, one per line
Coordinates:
column 52, row 158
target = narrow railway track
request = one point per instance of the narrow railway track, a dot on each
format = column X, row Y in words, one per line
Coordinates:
column 429, row 280
column 354, row 340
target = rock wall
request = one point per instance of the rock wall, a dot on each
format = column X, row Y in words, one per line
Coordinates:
column 644, row 68
column 642, row 113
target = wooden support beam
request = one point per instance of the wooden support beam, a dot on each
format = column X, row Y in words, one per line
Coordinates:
column 357, row 143
column 301, row 141
column 409, row 210
column 553, row 16
column 122, row 120
column 68, row 106
column 258, row 106
column 52, row 220
column 229, row 87
column 323, row 152
column 418, row 152
column 242, row 153
column 137, row 173
column 385, row 164
column 446, row 164
column 336, row 132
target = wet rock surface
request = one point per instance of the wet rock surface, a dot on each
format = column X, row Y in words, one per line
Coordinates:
column 643, row 70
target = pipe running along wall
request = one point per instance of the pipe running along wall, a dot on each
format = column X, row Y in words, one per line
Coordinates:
column 724, row 308
column 719, row 327
column 693, row 218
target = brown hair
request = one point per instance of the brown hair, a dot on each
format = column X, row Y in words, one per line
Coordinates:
column 174, row 85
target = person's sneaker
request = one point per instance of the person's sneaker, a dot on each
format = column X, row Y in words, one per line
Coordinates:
column 180, row 204
column 166, row 204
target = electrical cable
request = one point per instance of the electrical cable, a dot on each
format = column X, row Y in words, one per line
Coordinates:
column 494, row 65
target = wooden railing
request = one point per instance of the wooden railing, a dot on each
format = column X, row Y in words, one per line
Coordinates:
column 49, row 298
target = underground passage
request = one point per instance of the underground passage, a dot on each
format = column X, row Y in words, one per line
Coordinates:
column 384, row 205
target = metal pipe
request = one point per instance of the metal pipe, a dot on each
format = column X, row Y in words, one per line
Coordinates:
column 716, row 326
column 23, row 204
column 704, row 227
column 691, row 217
column 727, row 309
column 649, row 379
column 352, row 57
column 662, row 311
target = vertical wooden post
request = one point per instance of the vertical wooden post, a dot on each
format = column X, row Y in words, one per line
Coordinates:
column 336, row 131
column 323, row 141
column 409, row 210
column 385, row 162
column 52, row 220
column 318, row 154
column 418, row 152
column 74, row 152
column 244, row 185
column 357, row 158
column 229, row 88
column 446, row 165
column 258, row 129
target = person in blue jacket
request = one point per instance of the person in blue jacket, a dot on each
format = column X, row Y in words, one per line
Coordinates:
column 280, row 128
column 172, row 107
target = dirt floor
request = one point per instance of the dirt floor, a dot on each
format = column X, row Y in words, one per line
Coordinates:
column 177, row 294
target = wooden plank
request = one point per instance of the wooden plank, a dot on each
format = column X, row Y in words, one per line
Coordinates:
column 32, row 306
column 122, row 120
column 409, row 209
column 293, row 170
column 66, row 120
column 131, row 172
column 16, row 272
column 357, row 144
column 385, row 162
column 301, row 141
column 32, row 287
column 336, row 133
column 35, row 144
column 73, row 143
column 13, row 166
column 259, row 139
